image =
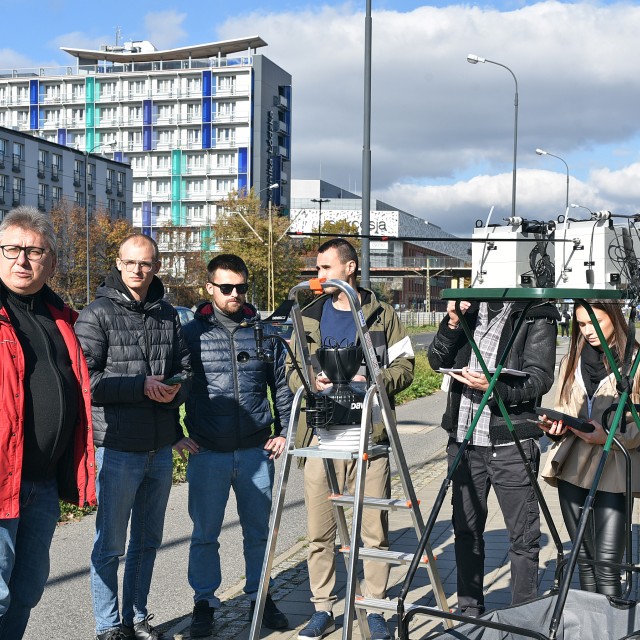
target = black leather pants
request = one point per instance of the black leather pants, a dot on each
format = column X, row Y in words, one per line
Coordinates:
column 604, row 537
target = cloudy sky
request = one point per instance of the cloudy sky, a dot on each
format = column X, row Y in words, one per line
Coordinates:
column 442, row 129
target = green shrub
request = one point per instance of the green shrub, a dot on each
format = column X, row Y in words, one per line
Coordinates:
column 425, row 381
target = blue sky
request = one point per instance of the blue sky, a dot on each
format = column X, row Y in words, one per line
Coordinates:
column 442, row 130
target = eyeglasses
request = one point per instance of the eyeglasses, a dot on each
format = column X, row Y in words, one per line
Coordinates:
column 134, row 265
column 227, row 289
column 12, row 251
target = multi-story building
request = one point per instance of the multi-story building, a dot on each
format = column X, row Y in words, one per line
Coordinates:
column 39, row 173
column 194, row 123
column 415, row 261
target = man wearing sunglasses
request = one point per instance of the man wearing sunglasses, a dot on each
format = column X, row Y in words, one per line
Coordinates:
column 132, row 340
column 229, row 417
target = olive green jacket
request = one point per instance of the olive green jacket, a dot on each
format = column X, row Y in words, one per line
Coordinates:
column 385, row 330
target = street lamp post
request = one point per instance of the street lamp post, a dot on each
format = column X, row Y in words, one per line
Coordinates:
column 473, row 59
column 86, row 209
column 319, row 201
column 542, row 152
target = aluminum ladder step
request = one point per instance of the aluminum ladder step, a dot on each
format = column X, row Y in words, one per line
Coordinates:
column 389, row 606
column 384, row 504
column 383, row 555
column 336, row 454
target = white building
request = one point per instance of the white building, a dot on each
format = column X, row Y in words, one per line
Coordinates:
column 418, row 259
column 194, row 123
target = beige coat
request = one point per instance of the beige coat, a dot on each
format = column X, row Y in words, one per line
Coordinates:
column 575, row 461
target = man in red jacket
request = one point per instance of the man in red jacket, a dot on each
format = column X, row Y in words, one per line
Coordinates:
column 46, row 446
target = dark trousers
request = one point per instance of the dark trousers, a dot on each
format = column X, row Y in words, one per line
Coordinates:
column 603, row 537
column 501, row 468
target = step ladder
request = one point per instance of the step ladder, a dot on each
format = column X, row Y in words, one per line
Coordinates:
column 356, row 605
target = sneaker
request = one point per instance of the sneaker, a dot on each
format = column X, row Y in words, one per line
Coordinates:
column 378, row 627
column 201, row 620
column 142, row 630
column 112, row 634
column 320, row 625
column 272, row 617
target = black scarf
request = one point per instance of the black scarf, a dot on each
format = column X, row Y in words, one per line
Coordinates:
column 592, row 367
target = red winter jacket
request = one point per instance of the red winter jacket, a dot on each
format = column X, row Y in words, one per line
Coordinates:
column 76, row 476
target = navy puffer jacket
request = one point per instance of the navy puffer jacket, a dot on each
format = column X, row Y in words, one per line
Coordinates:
column 124, row 341
column 228, row 407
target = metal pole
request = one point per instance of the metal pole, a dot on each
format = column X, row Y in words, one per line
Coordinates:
column 542, row 152
column 366, row 152
column 319, row 201
column 86, row 217
column 473, row 59
column 86, row 210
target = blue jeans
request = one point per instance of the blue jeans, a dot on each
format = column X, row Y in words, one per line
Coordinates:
column 24, row 555
column 136, row 486
column 210, row 475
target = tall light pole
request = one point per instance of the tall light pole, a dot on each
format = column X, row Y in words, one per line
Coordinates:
column 86, row 208
column 542, row 152
column 473, row 59
column 271, row 271
column 319, row 201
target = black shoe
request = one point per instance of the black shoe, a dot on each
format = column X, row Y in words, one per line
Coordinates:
column 112, row 634
column 201, row 620
column 272, row 617
column 142, row 630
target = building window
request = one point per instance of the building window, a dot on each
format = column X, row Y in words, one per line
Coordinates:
column 18, row 156
column 193, row 136
column 3, row 152
column 194, row 85
column 107, row 89
column 121, row 210
column 77, row 91
column 137, row 87
column 43, row 196
column 3, row 188
column 193, row 112
column 225, row 186
column 18, row 191
column 162, row 187
column 226, row 84
column 111, row 178
column 56, row 166
column 163, row 162
column 121, row 184
column 56, row 194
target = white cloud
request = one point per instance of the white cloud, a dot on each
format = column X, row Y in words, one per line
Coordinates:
column 164, row 28
column 438, row 119
column 81, row 40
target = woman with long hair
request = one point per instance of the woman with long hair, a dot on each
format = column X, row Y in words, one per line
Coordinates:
column 586, row 389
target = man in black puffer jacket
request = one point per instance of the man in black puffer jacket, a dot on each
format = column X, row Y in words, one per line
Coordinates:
column 229, row 417
column 490, row 459
column 132, row 341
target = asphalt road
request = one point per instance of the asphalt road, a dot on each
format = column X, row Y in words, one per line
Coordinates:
column 65, row 610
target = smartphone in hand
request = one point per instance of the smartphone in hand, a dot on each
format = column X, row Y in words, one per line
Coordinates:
column 178, row 378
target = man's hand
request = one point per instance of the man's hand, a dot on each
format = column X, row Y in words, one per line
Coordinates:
column 451, row 310
column 276, row 446
column 186, row 444
column 156, row 390
column 473, row 379
column 322, row 382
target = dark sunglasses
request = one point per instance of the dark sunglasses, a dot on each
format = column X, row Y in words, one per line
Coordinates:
column 227, row 289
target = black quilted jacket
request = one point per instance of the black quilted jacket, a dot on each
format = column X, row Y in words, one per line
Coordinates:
column 533, row 351
column 228, row 408
column 124, row 341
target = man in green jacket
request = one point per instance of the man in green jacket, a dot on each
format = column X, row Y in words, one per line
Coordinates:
column 330, row 318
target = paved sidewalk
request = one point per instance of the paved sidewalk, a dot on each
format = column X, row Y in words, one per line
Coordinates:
column 292, row 594
column 291, row 591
